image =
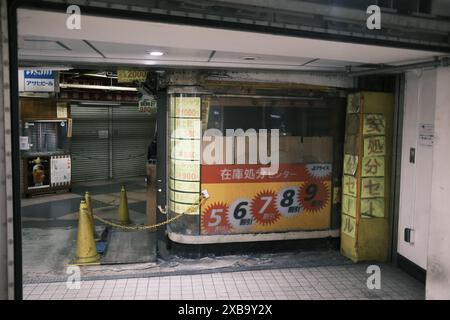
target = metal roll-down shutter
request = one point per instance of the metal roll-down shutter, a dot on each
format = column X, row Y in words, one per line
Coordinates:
column 132, row 134
column 90, row 143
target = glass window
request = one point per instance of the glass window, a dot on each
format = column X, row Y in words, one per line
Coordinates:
column 305, row 126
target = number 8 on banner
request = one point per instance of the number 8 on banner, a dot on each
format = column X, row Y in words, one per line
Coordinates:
column 288, row 203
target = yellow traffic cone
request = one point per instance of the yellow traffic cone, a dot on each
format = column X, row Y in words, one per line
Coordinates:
column 124, row 214
column 86, row 250
column 87, row 198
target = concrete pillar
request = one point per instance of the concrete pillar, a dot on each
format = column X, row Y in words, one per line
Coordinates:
column 438, row 265
column 6, row 199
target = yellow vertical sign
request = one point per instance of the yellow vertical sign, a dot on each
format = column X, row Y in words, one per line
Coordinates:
column 349, row 205
column 349, row 186
column 372, row 188
column 374, row 124
column 374, row 146
column 372, row 208
column 348, row 225
column 350, row 164
column 373, row 167
column 185, row 148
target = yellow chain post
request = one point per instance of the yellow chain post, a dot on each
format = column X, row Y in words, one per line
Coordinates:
column 123, row 212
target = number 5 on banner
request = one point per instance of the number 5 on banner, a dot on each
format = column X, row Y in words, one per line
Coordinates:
column 215, row 214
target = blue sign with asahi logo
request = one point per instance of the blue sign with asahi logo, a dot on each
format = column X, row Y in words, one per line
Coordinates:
column 39, row 80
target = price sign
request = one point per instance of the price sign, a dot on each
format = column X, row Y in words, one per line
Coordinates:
column 297, row 198
column 128, row 76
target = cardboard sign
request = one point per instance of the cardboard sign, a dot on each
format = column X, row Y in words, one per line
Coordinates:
column 374, row 124
column 128, row 76
column 373, row 167
column 349, row 205
column 372, row 188
column 348, row 226
column 186, row 107
column 185, row 149
column 372, row 208
column 349, row 186
column 148, row 106
column 354, row 103
column 374, row 146
column 186, row 128
column 350, row 164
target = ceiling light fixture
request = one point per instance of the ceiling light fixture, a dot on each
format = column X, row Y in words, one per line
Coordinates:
column 156, row 53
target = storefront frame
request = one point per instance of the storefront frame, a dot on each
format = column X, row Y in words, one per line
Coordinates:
column 13, row 56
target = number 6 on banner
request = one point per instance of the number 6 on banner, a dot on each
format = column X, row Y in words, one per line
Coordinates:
column 239, row 215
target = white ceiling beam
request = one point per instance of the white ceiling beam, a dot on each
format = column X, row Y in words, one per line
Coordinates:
column 154, row 34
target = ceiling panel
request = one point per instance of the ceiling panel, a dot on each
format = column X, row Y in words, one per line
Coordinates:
column 258, row 58
column 130, row 51
column 48, row 46
column 42, row 44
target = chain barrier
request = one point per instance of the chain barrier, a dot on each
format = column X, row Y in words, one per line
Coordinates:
column 198, row 203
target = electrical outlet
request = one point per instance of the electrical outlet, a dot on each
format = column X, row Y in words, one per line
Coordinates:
column 409, row 235
column 412, row 155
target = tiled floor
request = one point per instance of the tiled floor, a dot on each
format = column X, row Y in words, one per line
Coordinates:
column 334, row 282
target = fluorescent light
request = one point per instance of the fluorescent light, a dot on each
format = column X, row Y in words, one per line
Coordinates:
column 156, row 53
column 100, row 103
column 50, row 68
column 86, row 86
column 100, row 75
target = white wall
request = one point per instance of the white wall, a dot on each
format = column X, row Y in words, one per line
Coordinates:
column 438, row 273
column 415, row 196
column 425, row 185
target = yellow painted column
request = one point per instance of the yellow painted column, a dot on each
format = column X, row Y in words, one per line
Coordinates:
column 367, row 174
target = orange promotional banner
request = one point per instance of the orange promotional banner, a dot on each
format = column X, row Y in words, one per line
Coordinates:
column 242, row 200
